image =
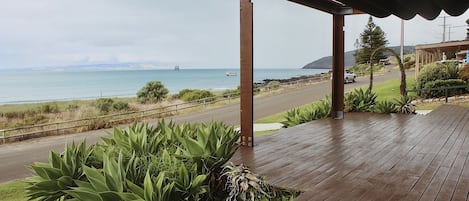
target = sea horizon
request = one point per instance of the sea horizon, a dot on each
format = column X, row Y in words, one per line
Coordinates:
column 48, row 85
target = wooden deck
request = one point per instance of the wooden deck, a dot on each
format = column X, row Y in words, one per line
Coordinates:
column 369, row 157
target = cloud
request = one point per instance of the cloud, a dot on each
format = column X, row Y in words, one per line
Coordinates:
column 188, row 33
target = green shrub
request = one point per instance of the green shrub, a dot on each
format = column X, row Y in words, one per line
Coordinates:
column 385, row 107
column 49, row 108
column 185, row 91
column 359, row 100
column 195, row 94
column 104, row 105
column 120, row 106
column 441, row 84
column 315, row 111
column 273, row 85
column 152, row 92
column 436, row 71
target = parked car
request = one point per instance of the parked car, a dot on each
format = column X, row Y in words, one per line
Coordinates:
column 349, row 77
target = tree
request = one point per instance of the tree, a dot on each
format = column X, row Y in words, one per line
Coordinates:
column 371, row 39
column 153, row 92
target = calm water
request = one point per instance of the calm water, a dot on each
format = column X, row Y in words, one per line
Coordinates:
column 39, row 86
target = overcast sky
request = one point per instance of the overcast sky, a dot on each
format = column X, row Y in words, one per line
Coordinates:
column 188, row 33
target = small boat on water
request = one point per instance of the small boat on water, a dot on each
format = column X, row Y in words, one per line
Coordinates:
column 176, row 68
column 231, row 74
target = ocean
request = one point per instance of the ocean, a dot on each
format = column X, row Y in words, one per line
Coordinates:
column 27, row 86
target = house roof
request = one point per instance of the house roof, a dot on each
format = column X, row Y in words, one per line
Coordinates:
column 404, row 9
column 445, row 46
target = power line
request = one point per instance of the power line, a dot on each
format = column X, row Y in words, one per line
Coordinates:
column 449, row 30
column 444, row 27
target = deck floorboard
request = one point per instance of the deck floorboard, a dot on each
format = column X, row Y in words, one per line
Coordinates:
column 369, row 157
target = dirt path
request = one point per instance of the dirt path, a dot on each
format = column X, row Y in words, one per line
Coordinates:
column 15, row 157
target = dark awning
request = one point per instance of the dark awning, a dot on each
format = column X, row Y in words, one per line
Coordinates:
column 405, row 9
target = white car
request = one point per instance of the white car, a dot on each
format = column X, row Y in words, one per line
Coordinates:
column 349, row 77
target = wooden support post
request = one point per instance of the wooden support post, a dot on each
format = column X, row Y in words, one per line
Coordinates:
column 246, row 53
column 338, row 67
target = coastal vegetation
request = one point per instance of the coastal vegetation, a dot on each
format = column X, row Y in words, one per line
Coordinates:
column 438, row 75
column 388, row 90
column 195, row 94
column 314, row 111
column 166, row 162
column 358, row 100
column 435, row 80
column 152, row 92
column 83, row 115
column 272, row 85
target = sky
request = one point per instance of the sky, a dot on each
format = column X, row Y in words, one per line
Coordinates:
column 188, row 33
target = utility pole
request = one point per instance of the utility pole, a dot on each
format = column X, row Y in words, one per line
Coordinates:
column 444, row 28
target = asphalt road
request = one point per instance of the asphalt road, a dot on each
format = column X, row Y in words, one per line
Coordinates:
column 16, row 157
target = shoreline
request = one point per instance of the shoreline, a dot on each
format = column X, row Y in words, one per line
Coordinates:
column 293, row 79
column 121, row 96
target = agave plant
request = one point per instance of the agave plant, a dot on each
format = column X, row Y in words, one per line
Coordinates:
column 360, row 100
column 385, row 107
column 315, row 111
column 212, row 147
column 242, row 184
column 166, row 162
column 405, row 106
column 61, row 173
column 292, row 118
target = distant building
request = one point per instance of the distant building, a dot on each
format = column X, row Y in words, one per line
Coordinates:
column 429, row 53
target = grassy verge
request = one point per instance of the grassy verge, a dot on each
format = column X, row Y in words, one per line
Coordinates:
column 279, row 117
column 261, row 133
column 432, row 106
column 388, row 90
column 13, row 191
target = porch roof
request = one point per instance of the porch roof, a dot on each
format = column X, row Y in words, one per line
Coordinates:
column 404, row 9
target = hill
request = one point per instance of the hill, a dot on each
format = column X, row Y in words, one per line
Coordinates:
column 349, row 59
